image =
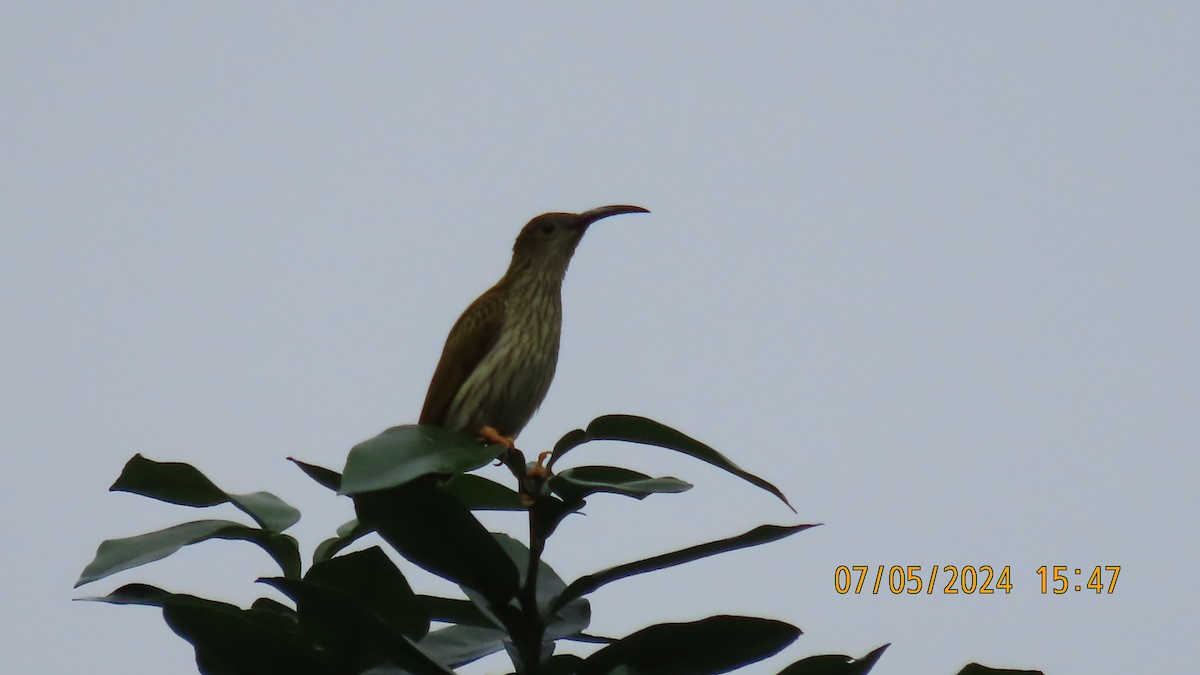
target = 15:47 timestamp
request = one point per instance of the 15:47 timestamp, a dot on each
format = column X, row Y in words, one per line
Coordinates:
column 1056, row 579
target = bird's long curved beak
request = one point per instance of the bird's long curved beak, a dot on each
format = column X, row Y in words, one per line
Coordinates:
column 588, row 217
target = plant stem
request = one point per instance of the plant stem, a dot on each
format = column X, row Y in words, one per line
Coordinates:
column 529, row 629
column 533, row 628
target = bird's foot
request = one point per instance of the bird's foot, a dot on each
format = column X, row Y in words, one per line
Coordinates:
column 489, row 434
column 539, row 470
column 534, row 482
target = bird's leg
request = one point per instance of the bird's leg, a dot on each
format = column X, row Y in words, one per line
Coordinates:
column 489, row 434
column 538, row 470
column 535, row 478
column 512, row 457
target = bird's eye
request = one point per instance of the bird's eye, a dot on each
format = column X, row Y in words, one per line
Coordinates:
column 548, row 229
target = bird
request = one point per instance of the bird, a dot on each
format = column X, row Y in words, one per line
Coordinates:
column 500, row 356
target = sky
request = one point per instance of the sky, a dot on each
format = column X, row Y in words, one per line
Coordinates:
column 928, row 267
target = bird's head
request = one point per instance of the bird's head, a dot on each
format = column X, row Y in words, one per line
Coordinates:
column 548, row 241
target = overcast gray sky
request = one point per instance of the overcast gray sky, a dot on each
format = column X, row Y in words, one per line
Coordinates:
column 930, row 268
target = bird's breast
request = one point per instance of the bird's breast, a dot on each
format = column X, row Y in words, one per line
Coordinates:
column 511, row 381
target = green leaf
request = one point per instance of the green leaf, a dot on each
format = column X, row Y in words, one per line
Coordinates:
column 435, row 531
column 327, row 478
column 477, row 634
column 760, row 535
column 978, row 669
column 634, row 429
column 571, row 439
column 579, row 482
column 347, row 534
column 834, row 664
column 455, row 646
column 568, row 620
column 183, row 484
column 717, row 644
column 349, row 632
column 117, row 555
column 372, row 578
column 402, row 454
column 480, row 494
column 232, row 641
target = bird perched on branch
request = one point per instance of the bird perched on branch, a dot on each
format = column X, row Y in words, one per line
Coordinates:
column 501, row 354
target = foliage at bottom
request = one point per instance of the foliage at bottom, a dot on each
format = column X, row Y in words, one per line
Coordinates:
column 352, row 611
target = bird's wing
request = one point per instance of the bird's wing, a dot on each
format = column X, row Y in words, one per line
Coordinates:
column 472, row 337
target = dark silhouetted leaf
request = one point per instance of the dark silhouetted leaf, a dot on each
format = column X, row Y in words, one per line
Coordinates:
column 134, row 594
column 570, row 440
column 434, row 530
column 570, row 619
column 344, row 627
column 271, row 605
column 402, row 454
column 116, row 555
column 480, row 494
column 717, row 644
column 634, row 429
column 978, row 669
column 230, row 640
column 275, row 615
column 834, row 664
column 760, row 535
column 372, row 578
column 579, row 482
column 548, row 511
column 183, row 484
column 347, row 534
column 590, row 639
column 327, row 478
column 479, row 635
column 267, row 612
column 562, row 664
column 450, row 610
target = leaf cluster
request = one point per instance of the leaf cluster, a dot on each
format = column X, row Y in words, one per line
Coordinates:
column 355, row 612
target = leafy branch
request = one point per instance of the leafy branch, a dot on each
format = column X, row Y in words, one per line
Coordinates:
column 354, row 612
